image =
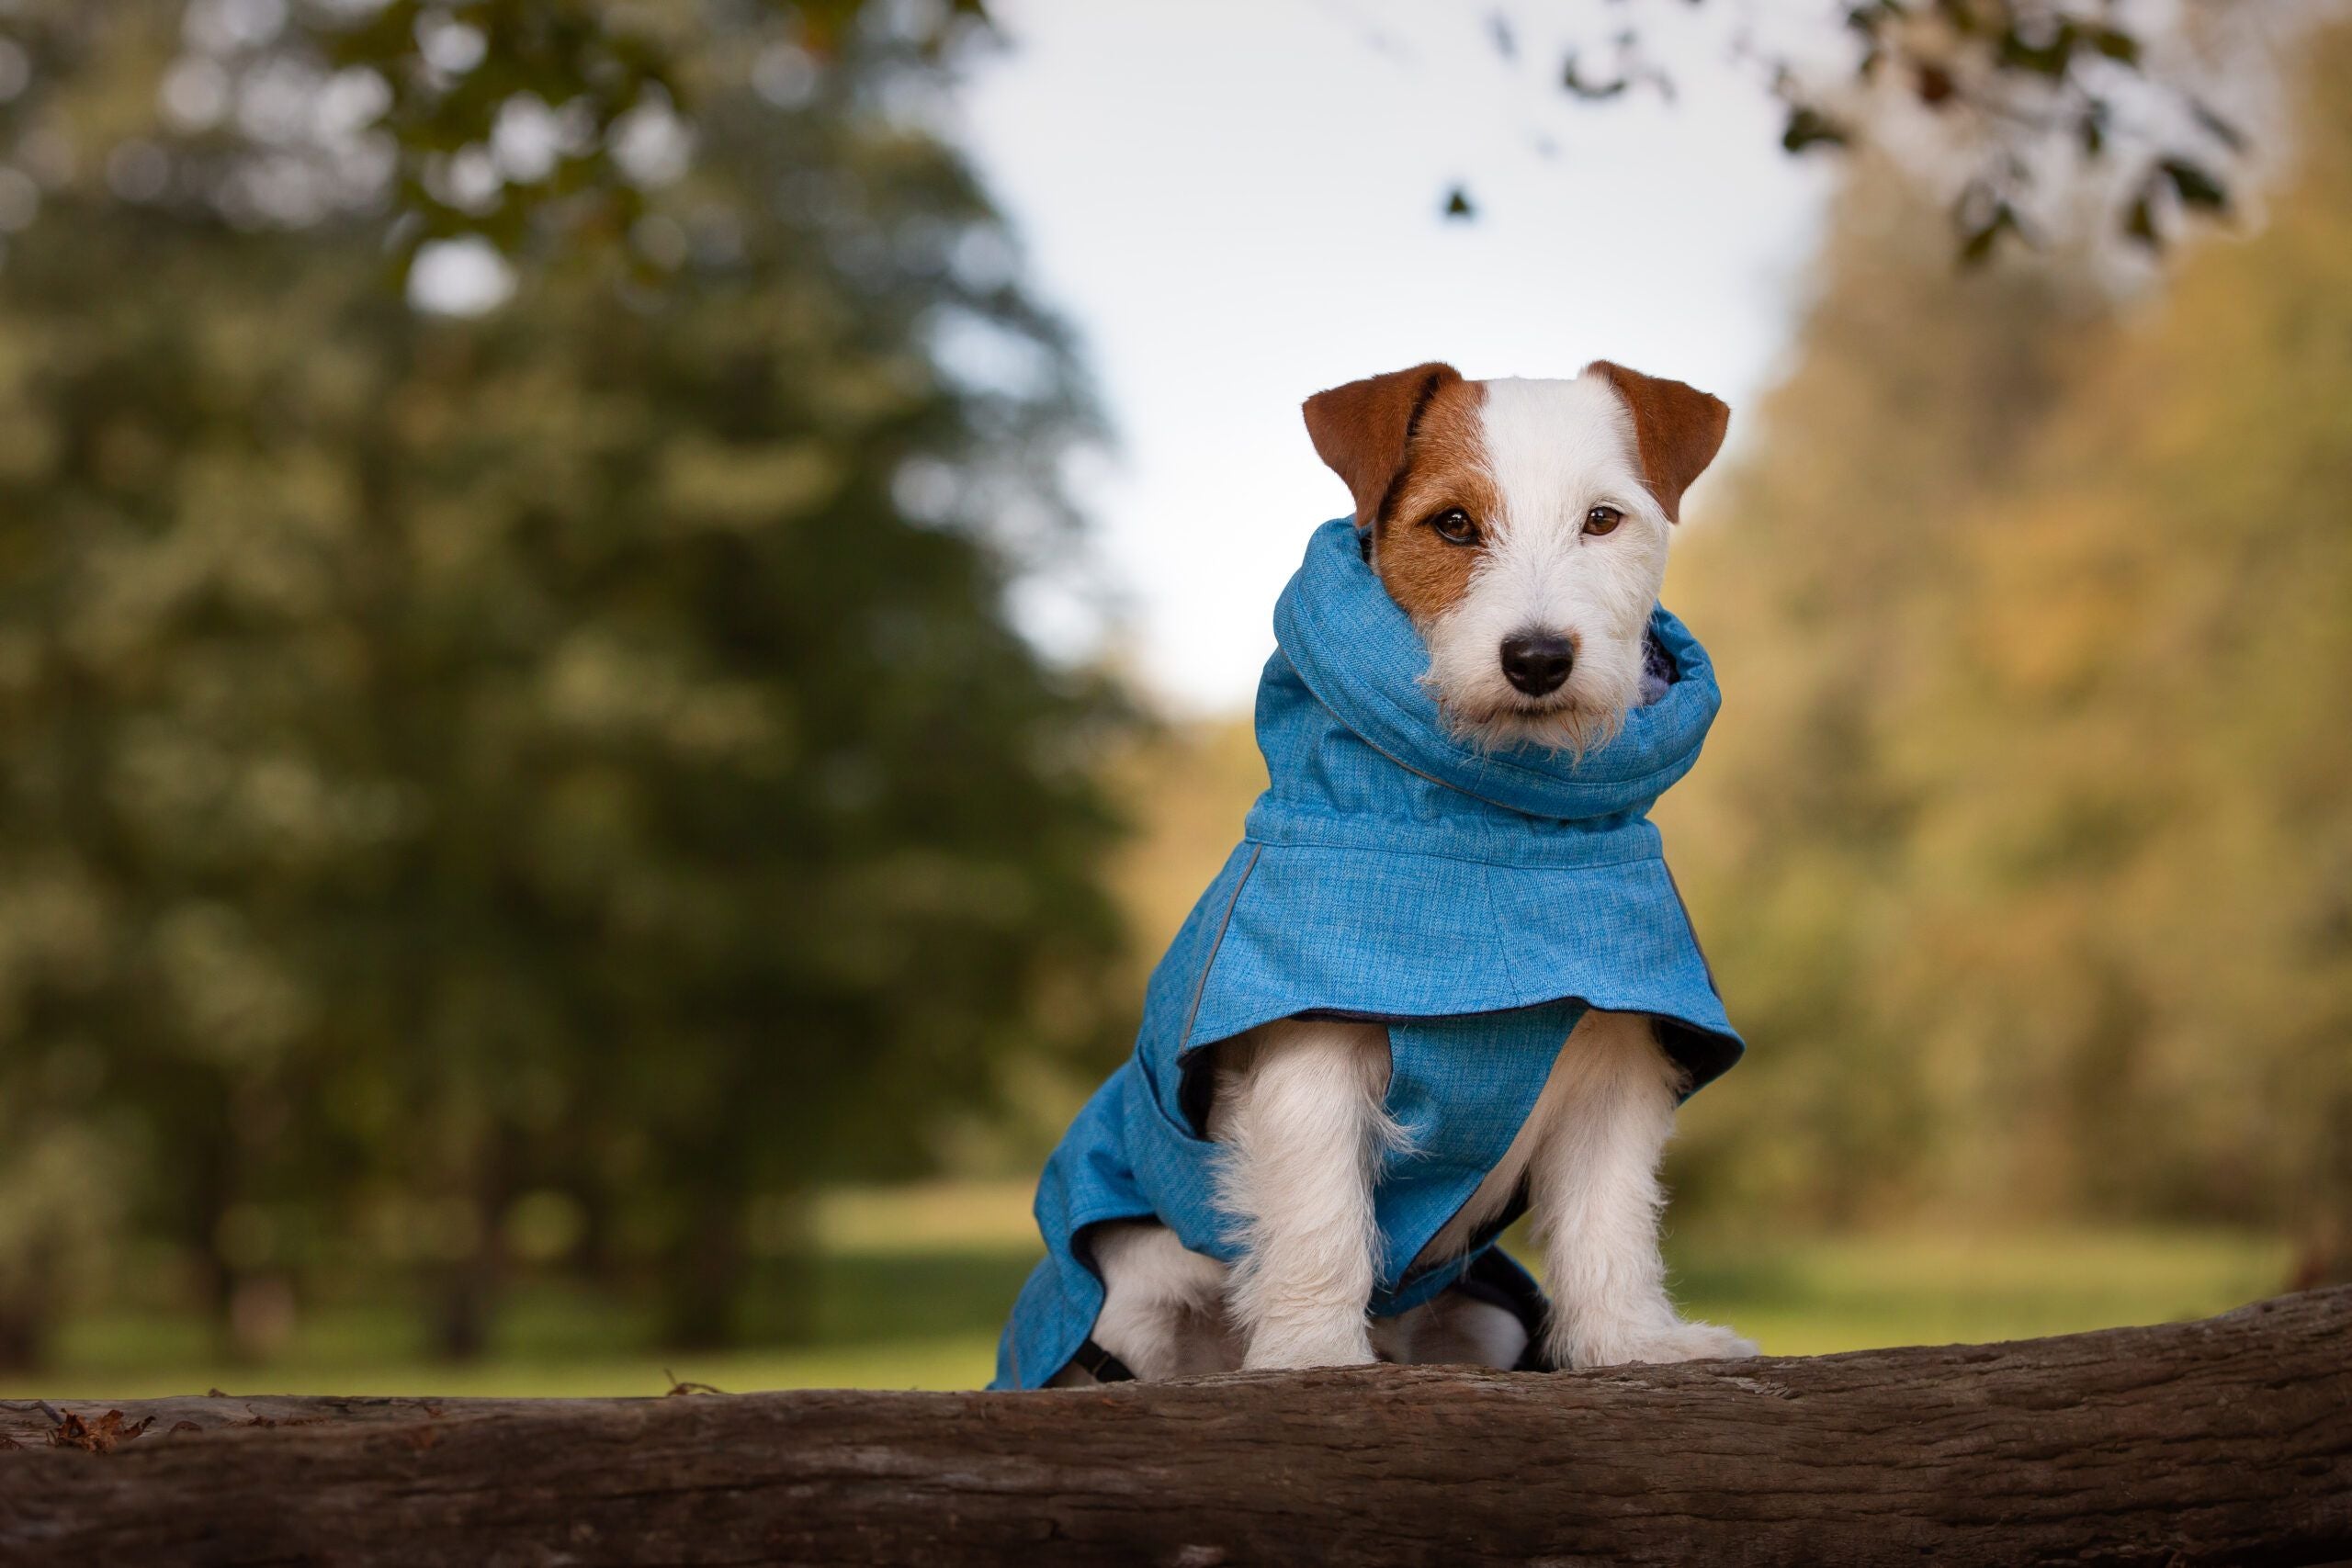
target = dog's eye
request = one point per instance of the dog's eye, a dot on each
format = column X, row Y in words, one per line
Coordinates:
column 1456, row 527
column 1603, row 519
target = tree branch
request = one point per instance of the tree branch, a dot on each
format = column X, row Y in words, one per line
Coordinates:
column 2224, row 1441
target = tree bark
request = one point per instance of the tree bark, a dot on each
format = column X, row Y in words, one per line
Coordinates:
column 2227, row 1441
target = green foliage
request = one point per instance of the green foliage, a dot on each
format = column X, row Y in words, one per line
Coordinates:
column 527, row 123
column 441, row 84
column 515, row 789
column 602, row 63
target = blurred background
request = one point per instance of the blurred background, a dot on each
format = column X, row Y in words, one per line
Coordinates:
column 625, row 626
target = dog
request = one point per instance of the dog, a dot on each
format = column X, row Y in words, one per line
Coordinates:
column 1522, row 527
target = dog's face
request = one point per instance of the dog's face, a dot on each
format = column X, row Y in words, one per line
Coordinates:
column 1523, row 526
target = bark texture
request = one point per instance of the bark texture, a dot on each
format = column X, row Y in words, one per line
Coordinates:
column 2226, row 1441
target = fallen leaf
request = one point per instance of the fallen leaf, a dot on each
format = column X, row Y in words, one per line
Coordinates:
column 102, row 1436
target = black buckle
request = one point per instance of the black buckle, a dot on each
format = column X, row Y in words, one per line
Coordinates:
column 1105, row 1367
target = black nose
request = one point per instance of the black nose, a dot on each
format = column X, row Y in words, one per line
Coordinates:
column 1536, row 662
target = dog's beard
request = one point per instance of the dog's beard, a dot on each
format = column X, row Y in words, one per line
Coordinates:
column 1564, row 722
column 1481, row 708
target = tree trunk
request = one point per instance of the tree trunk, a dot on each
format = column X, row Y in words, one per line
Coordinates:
column 2228, row 1441
column 467, row 1297
column 703, row 1280
column 2324, row 1257
column 24, row 1334
column 791, row 1281
column 27, row 1286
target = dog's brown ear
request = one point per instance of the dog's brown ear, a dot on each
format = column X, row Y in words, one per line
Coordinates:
column 1361, row 429
column 1678, row 429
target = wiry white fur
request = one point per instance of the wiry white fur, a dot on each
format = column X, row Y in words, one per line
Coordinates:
column 1604, row 1117
column 1163, row 1306
column 1454, row 1330
column 1300, row 1118
column 1556, row 449
column 1298, row 1109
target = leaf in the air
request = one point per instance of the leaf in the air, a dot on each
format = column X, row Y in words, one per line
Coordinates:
column 1579, row 85
column 1934, row 85
column 1981, row 242
column 2016, row 53
column 2090, row 130
column 1809, row 127
column 2196, row 184
column 2116, row 44
column 2223, row 130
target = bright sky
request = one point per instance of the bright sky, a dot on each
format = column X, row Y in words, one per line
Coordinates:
column 1236, row 202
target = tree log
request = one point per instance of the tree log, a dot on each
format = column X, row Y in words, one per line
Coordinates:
column 2226, row 1441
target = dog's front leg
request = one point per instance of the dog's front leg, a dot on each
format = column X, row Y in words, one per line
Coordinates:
column 1606, row 1114
column 1298, row 1112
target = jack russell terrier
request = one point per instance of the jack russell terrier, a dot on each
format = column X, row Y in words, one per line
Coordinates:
column 1445, row 978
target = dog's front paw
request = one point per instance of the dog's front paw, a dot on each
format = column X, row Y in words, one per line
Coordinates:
column 1291, row 1350
column 1675, row 1340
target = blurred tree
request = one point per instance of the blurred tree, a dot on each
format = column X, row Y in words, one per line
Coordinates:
column 1910, row 386
column 522, row 121
column 570, row 760
column 2156, row 628
column 2026, row 846
column 533, row 125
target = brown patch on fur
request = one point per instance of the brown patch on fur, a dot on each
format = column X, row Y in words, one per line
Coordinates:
column 1677, row 428
column 1362, row 428
column 1445, row 465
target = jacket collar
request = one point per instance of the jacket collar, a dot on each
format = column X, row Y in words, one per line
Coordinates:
column 1358, row 654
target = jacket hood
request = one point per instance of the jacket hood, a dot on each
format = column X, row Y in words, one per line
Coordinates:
column 1356, row 651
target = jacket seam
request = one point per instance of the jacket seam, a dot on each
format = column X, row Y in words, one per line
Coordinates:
column 1217, row 946
column 1445, row 855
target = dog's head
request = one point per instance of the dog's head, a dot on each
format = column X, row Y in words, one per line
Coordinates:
column 1522, row 526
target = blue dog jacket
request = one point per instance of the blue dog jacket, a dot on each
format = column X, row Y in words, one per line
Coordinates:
column 1476, row 902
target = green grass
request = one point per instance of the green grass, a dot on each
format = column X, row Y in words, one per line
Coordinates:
column 914, row 1282
column 1815, row 1295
